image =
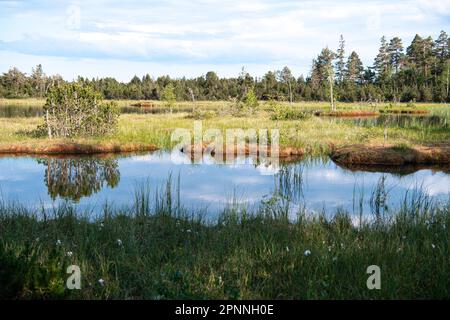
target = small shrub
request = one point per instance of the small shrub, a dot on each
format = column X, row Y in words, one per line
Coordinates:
column 281, row 112
column 251, row 104
column 202, row 114
column 73, row 110
column 245, row 107
column 168, row 96
column 234, row 108
column 411, row 104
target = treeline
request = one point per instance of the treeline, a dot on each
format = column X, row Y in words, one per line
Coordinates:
column 418, row 73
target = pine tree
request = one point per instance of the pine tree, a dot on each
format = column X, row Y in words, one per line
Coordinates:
column 212, row 85
column 323, row 62
column 269, row 85
column 38, row 80
column 354, row 71
column 441, row 47
column 320, row 75
column 427, row 56
column 14, row 81
column 395, row 52
column 168, row 96
column 285, row 76
column 381, row 64
column 340, row 64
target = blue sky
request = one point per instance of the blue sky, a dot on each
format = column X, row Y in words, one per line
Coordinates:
column 188, row 38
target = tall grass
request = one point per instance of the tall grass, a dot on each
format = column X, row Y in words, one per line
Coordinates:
column 156, row 249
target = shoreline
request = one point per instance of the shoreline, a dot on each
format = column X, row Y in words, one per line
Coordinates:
column 72, row 148
column 391, row 155
column 348, row 156
column 378, row 154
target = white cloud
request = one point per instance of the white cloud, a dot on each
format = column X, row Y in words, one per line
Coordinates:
column 198, row 36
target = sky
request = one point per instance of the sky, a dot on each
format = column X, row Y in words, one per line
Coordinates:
column 189, row 38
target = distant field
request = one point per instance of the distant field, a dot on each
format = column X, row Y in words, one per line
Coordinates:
column 214, row 105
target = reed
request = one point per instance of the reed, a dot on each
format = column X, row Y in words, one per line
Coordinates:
column 156, row 249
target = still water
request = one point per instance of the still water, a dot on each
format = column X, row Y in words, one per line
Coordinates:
column 318, row 184
column 14, row 111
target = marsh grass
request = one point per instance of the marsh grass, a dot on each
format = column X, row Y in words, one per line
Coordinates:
column 156, row 249
column 315, row 134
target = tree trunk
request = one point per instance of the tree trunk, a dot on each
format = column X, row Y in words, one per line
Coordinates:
column 49, row 129
column 447, row 77
column 333, row 106
column 290, row 92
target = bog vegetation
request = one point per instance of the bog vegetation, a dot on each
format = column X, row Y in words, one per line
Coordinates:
column 74, row 110
column 155, row 249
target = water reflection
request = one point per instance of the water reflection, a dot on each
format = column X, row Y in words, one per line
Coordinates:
column 403, row 170
column 403, row 121
column 14, row 111
column 31, row 111
column 72, row 179
column 315, row 184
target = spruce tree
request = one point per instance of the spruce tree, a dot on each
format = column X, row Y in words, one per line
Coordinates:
column 340, row 64
column 381, row 64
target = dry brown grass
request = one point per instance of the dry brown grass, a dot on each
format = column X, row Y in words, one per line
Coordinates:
column 392, row 155
column 55, row 147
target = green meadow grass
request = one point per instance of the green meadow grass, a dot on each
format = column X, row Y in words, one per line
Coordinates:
column 155, row 249
column 314, row 134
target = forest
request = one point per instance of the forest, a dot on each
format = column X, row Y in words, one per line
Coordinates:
column 419, row 72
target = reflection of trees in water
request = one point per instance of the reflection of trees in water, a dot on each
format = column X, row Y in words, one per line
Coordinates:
column 73, row 179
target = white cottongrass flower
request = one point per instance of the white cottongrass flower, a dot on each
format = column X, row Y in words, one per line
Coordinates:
column 58, row 242
column 287, row 248
column 101, row 282
column 188, row 230
column 433, row 246
column 119, row 242
column 307, row 253
column 69, row 253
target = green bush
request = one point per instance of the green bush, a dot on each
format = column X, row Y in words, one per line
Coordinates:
column 73, row 110
column 248, row 106
column 282, row 112
column 251, row 104
column 168, row 96
column 202, row 114
column 411, row 104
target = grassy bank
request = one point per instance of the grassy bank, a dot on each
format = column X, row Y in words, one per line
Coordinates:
column 314, row 134
column 161, row 251
column 215, row 105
